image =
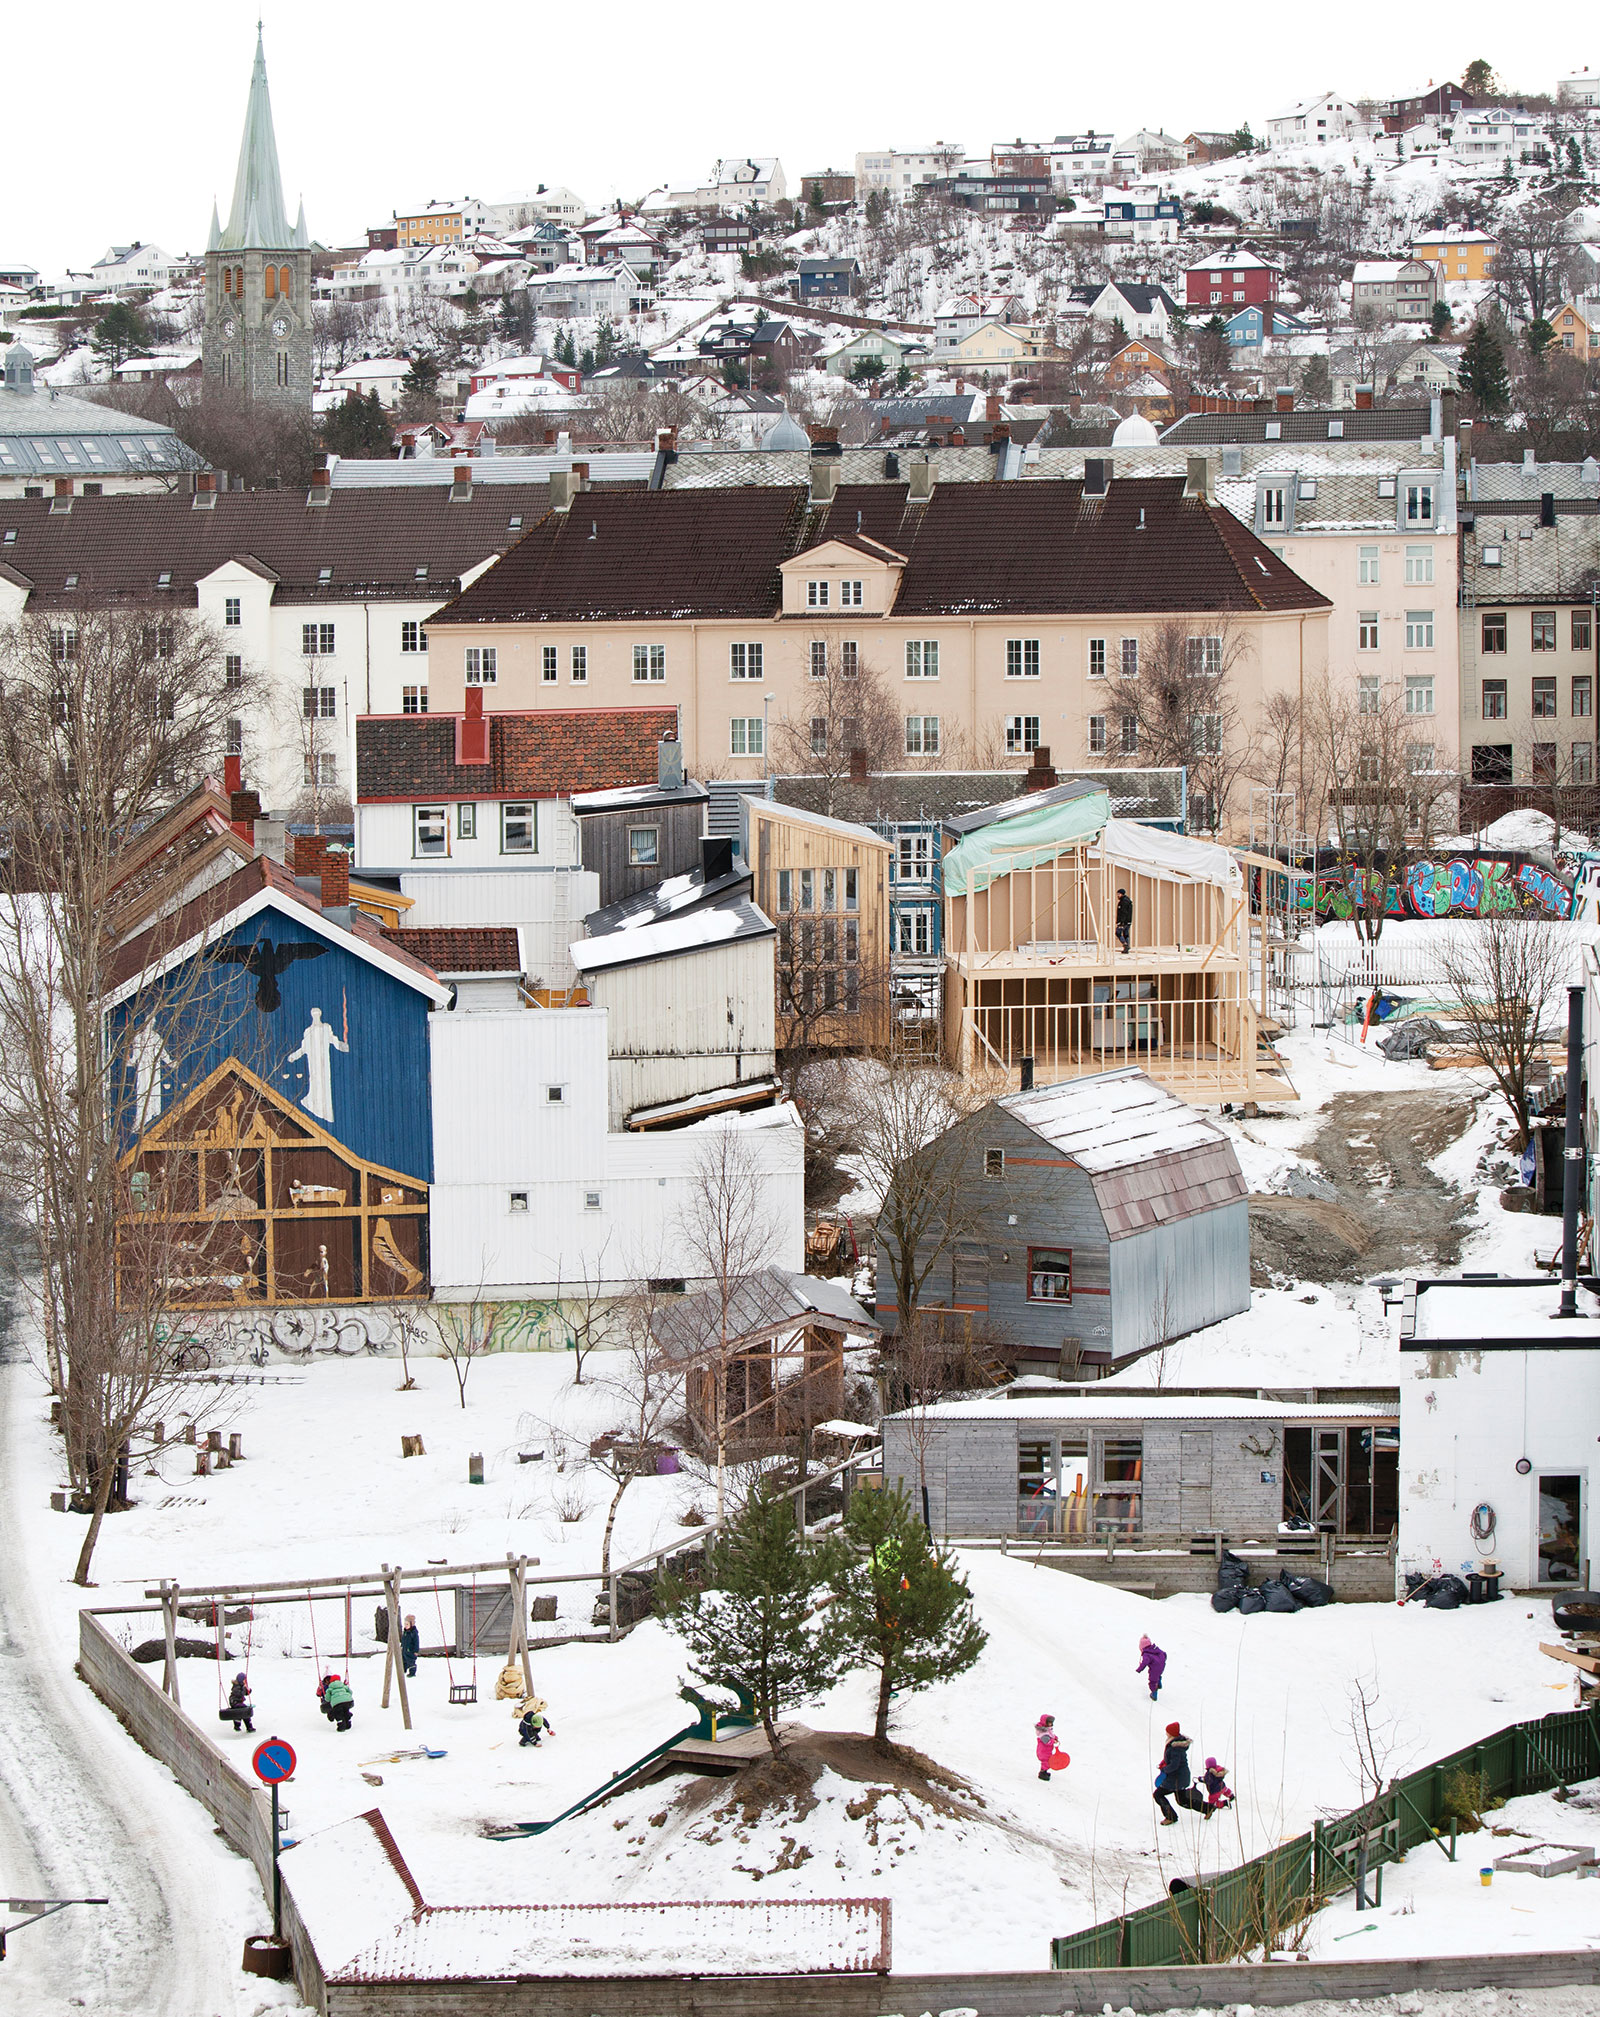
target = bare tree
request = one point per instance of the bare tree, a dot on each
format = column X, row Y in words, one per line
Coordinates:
column 589, row 1309
column 308, row 723
column 1535, row 247
column 106, row 719
column 1184, row 707
column 466, row 1332
column 1506, row 977
column 726, row 1232
column 645, row 1391
column 846, row 707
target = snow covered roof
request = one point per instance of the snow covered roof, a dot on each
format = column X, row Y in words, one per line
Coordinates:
column 802, row 816
column 676, row 897
column 1479, row 1311
column 1137, row 1407
column 758, row 1306
column 721, row 925
column 629, row 797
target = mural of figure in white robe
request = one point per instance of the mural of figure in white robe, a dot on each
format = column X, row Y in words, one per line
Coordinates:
column 317, row 1043
column 148, row 1057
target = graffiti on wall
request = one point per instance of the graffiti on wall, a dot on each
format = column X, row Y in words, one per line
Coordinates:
column 200, row 1342
column 1461, row 886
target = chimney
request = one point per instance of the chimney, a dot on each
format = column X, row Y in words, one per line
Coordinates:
column 858, row 766
column 716, row 856
column 669, row 764
column 270, row 837
column 1448, row 421
column 958, row 438
column 472, row 730
column 1547, row 507
column 580, row 475
column 1096, row 477
column 991, row 408
column 999, row 436
column 666, row 441
column 563, row 489
column 205, row 491
column 1283, row 399
column 822, row 437
column 1040, row 774
column 1363, row 399
column 310, row 850
column 919, row 480
column 1530, row 460
column 244, row 809
column 335, row 873
column 321, row 485
column 461, row 483
column 824, row 480
column 232, row 774
column 62, row 500
column 1198, row 482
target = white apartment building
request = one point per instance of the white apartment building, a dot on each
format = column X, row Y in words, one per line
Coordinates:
column 1312, row 122
column 1080, row 162
column 130, row 269
column 893, row 170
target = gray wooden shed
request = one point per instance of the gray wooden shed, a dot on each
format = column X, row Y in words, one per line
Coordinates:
column 1099, row 1217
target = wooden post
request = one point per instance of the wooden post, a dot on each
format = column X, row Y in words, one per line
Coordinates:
column 169, row 1620
column 235, row 1447
column 392, row 1662
column 202, row 1463
column 517, row 1642
column 612, row 1629
column 347, row 1628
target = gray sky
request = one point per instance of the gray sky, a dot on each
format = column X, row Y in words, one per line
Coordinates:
column 121, row 123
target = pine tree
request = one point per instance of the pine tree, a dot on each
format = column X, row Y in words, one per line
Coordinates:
column 750, row 1626
column 902, row 1606
column 358, row 428
column 1483, row 371
column 121, row 332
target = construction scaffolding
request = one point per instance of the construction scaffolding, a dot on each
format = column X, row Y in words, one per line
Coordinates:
column 1280, row 874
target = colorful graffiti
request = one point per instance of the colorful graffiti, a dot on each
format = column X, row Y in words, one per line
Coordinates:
column 1462, row 886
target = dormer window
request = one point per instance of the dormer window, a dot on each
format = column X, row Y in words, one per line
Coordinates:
column 1274, row 506
column 850, row 595
column 817, row 594
column 1419, row 504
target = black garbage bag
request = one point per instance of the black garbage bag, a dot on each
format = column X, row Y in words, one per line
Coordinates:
column 1279, row 1597
column 1447, row 1593
column 1231, row 1572
column 1226, row 1596
column 1414, row 1581
column 1310, row 1592
column 1251, row 1601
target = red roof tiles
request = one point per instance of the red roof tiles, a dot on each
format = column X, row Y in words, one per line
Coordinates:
column 548, row 753
column 453, row 949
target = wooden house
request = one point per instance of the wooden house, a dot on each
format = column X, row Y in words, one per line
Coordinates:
column 638, row 835
column 776, row 1352
column 1037, row 981
column 825, row 882
column 1100, row 1218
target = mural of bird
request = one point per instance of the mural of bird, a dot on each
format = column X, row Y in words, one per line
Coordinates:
column 389, row 1256
column 265, row 960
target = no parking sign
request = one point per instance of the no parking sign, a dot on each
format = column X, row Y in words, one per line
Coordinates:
column 274, row 1761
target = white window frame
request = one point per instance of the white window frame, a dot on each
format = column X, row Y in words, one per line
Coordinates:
column 580, row 665
column 745, row 661
column 317, row 640
column 516, row 813
column 467, row 819
column 817, row 594
column 649, row 664
column 482, row 664
column 1367, row 630
column 746, row 735
column 424, row 816
column 1019, row 729
column 319, row 703
column 922, row 735
column 232, row 612
column 819, row 658
column 1130, row 658
column 1097, row 735
column 850, row 595
column 1419, row 630
column 1419, row 567
column 549, row 664
column 413, row 636
column 1419, row 504
column 1369, row 566
column 1022, row 658
column 1097, row 658
column 636, row 835
column 922, row 658
column 1419, row 693
column 417, row 695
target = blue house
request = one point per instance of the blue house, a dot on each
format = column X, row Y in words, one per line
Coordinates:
column 828, row 279
column 275, row 1095
column 1251, row 326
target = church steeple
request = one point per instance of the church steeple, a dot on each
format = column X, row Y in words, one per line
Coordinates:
column 257, row 221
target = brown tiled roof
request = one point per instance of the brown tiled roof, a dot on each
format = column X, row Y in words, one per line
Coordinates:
column 373, row 540
column 1357, row 423
column 451, row 949
column 972, row 549
column 545, row 753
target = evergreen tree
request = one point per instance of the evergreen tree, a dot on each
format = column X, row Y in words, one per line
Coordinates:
column 817, row 204
column 1483, row 371
column 902, row 1606
column 750, row 1625
column 1442, row 319
column 121, row 332
column 358, row 428
column 1478, row 79
column 1538, row 336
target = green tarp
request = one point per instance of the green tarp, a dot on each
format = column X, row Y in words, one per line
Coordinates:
column 1028, row 841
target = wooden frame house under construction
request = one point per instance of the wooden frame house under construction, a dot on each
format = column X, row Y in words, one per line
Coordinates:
column 1034, row 970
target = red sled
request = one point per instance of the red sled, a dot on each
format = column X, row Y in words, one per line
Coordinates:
column 1059, row 1761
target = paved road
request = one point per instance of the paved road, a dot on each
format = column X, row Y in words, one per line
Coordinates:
column 79, row 1815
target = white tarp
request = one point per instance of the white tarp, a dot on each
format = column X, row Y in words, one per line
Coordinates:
column 1151, row 850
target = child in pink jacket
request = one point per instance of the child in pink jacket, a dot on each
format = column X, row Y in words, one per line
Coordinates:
column 1045, row 1747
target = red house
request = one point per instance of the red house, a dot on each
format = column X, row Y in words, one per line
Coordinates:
column 1232, row 278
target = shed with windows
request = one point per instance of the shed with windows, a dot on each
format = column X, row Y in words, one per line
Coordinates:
column 1097, row 1219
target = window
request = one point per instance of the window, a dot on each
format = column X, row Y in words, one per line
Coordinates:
column 819, row 658
column 1367, row 567
column 1368, row 700
column 1022, row 658
column 233, row 672
column 1022, row 733
column 549, row 665
column 850, row 595
column 1049, row 1274
column 1419, row 693
column 819, row 735
column 467, row 820
column 1419, row 566
column 430, row 830
column 1419, row 503
column 413, row 700
column 1494, row 630
column 1544, row 698
column 483, row 664
column 1544, row 763
column 580, row 665
column 235, row 736
column 1275, row 507
column 1494, row 700
column 591, row 1201
column 849, row 659
column 555, row 1096
column 1097, row 735
column 1491, row 556
column 649, row 662
column 746, row 735
column 1130, row 658
column 1128, row 732
column 852, row 889
column 914, row 931
column 1388, row 486
column 922, row 658
column 1582, row 633
column 994, row 1162
column 1097, row 658
column 1207, row 734
column 644, row 846
column 1583, row 694
column 413, row 637
column 1367, row 630
column 319, row 703
column 323, row 769
column 1582, row 770
column 816, row 595
column 922, row 735
column 1419, row 630
column 1491, row 763
column 1203, row 656
column 316, row 640
column 232, row 612
column 516, row 1201
column 744, row 661
column 519, row 830
column 1544, row 630
column 914, row 857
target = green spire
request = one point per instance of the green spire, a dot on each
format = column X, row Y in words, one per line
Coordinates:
column 257, row 221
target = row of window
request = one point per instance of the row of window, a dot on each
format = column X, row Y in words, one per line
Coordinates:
column 1542, row 627
column 1419, row 630
column 1419, row 566
column 1419, row 693
column 817, row 593
column 317, row 640
column 519, row 828
column 819, row 962
column 1543, row 697
column 1493, row 763
column 1205, row 734
column 825, row 889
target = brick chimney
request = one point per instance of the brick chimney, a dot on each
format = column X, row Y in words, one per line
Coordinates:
column 666, row 441
column 1283, row 399
column 232, row 774
column 310, row 851
column 205, row 491
column 321, row 486
column 858, row 766
column 1040, row 774
column 461, row 483
column 62, row 500
column 472, row 730
column 1363, row 399
column 335, row 874
column 820, row 435
column 991, row 408
column 244, row 809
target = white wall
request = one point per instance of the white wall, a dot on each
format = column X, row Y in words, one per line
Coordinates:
column 386, row 839
column 686, row 1025
column 496, row 1132
column 547, row 905
column 1465, row 1419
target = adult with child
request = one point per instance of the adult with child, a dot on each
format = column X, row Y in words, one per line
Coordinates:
column 1174, row 1780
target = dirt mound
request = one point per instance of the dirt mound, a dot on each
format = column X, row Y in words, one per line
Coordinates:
column 786, row 1784
column 1388, row 1210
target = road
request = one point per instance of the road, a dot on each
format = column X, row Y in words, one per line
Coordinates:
column 82, row 1812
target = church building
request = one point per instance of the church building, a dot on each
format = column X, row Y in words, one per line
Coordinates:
column 257, row 334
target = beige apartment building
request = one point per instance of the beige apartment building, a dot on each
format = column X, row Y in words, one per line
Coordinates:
column 989, row 619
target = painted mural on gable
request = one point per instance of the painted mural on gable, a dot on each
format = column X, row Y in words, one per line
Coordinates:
column 1461, row 885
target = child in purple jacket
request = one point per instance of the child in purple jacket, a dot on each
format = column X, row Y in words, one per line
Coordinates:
column 1153, row 1664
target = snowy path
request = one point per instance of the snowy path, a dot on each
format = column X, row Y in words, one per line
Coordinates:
column 84, row 1813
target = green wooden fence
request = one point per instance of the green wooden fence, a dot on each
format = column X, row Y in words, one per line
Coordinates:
column 1262, row 1902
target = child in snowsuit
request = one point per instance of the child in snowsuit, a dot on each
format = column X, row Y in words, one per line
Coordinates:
column 1173, row 1778
column 1044, row 1732
column 239, row 1711
column 410, row 1646
column 1215, row 1781
column 338, row 1702
column 533, row 1725
column 1153, row 1663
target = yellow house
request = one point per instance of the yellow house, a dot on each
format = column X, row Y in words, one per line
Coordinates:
column 994, row 343
column 1575, row 332
column 1459, row 255
column 439, row 224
